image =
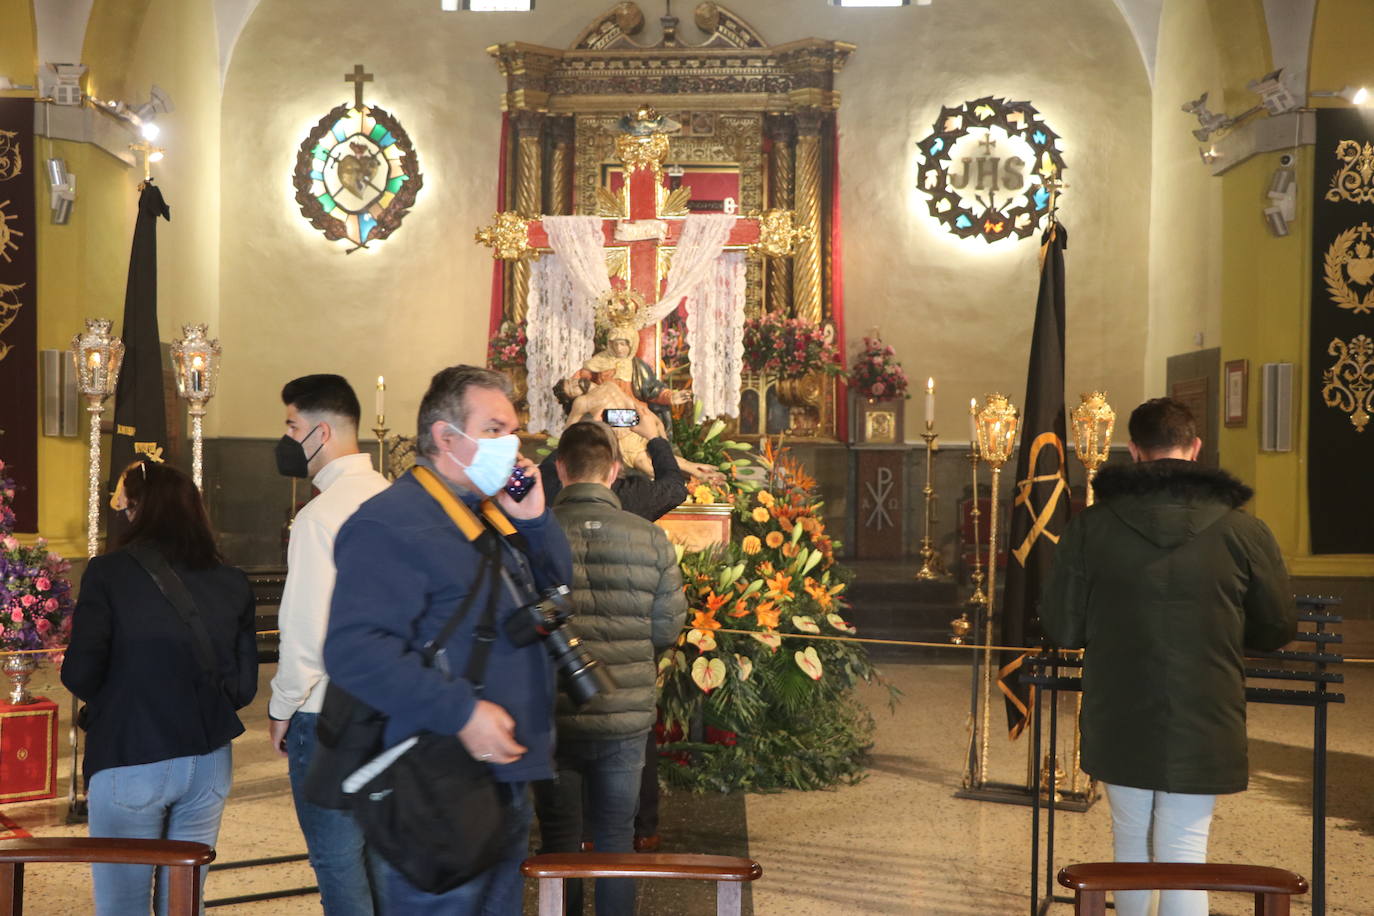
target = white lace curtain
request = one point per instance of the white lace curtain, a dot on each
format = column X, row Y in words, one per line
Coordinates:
column 565, row 286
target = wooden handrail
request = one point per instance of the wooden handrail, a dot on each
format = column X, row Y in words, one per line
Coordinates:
column 1181, row 876
column 640, row 865
column 183, row 861
column 111, row 851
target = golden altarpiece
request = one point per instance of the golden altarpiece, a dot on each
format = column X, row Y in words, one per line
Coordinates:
column 757, row 132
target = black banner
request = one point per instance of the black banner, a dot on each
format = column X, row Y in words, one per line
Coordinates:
column 1040, row 508
column 1340, row 440
column 19, row 309
column 140, row 415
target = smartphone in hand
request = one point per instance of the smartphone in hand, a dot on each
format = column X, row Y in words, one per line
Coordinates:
column 519, row 484
column 620, row 417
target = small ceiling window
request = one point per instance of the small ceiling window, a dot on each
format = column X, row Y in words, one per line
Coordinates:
column 488, row 6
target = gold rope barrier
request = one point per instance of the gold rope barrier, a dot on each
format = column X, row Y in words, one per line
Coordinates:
column 856, row 639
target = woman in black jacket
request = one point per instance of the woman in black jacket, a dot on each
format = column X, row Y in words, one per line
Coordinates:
column 162, row 684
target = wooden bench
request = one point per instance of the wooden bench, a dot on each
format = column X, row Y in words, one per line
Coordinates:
column 184, row 862
column 729, row 873
column 1272, row 887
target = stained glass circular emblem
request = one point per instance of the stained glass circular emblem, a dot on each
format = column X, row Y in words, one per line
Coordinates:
column 357, row 175
column 989, row 168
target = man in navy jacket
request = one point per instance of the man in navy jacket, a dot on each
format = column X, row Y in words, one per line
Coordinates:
column 404, row 568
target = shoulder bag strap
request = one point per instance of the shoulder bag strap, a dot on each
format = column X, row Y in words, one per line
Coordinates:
column 179, row 596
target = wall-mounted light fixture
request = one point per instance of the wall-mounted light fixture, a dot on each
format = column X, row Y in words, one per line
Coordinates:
column 1283, row 197
column 1355, row 95
column 62, row 186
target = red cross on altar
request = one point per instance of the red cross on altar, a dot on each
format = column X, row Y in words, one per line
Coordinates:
column 642, row 147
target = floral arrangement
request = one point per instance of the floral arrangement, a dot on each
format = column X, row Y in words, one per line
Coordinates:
column 673, row 346
column 507, row 349
column 876, row 373
column 757, row 710
column 35, row 594
column 788, row 348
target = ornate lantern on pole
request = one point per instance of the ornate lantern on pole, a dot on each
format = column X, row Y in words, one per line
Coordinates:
column 1093, row 423
column 97, row 358
column 196, row 360
column 997, row 425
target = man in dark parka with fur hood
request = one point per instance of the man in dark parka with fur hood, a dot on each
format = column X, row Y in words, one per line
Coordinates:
column 1165, row 582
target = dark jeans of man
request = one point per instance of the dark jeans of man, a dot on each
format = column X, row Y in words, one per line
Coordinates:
column 350, row 878
column 646, row 818
column 609, row 770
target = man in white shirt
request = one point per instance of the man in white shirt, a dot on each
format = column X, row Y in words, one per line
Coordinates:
column 321, row 442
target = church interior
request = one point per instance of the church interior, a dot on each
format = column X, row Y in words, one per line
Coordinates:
column 365, row 188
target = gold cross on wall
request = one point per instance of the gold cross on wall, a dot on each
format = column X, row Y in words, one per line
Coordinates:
column 357, row 78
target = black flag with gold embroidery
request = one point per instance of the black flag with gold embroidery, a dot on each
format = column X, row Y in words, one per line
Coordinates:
column 1040, row 504
column 140, row 412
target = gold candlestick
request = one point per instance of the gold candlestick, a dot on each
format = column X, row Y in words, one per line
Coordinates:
column 930, row 566
column 997, row 426
column 380, row 431
column 196, row 360
column 1093, row 424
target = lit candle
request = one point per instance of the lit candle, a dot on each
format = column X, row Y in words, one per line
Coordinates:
column 973, row 422
column 197, row 373
column 93, row 360
column 381, row 399
column 930, row 403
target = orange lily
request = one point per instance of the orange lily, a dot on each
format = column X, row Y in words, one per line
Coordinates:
column 779, row 587
column 767, row 614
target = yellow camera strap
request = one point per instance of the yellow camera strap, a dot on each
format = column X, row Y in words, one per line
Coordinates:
column 457, row 510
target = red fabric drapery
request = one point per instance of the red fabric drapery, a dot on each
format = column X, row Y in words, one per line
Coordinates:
column 498, row 272
column 837, row 281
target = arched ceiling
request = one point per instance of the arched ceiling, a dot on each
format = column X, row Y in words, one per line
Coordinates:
column 62, row 25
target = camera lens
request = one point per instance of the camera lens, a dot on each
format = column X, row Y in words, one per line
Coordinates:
column 583, row 676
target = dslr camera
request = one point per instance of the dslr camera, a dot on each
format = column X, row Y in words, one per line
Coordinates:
column 547, row 619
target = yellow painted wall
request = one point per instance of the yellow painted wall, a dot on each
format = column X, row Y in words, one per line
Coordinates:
column 960, row 311
column 83, row 265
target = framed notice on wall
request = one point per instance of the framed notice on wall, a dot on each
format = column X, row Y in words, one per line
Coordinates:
column 1236, row 385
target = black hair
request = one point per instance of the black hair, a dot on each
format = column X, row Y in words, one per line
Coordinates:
column 445, row 400
column 316, row 394
column 169, row 514
column 1162, row 423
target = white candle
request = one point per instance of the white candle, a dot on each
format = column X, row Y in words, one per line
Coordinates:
column 197, row 377
column 930, row 403
column 381, row 399
column 973, row 422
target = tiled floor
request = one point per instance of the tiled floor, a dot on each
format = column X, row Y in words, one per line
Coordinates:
column 897, row 843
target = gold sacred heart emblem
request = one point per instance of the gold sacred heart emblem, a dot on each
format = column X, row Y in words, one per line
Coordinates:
column 356, row 171
column 1350, row 258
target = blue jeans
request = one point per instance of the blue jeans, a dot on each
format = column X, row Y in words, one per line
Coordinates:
column 499, row 891
column 349, row 877
column 177, row 799
column 607, row 773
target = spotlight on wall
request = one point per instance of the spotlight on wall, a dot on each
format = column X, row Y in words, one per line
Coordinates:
column 1209, row 155
column 1283, row 197
column 1355, row 95
column 150, row 130
column 1274, row 95
column 1211, row 122
column 159, row 102
column 62, row 185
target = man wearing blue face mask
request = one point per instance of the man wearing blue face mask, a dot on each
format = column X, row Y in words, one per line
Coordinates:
column 405, row 563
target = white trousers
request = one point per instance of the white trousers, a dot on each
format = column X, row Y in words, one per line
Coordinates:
column 1150, row 826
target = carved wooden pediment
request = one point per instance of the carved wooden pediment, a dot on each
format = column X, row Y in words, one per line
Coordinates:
column 731, row 68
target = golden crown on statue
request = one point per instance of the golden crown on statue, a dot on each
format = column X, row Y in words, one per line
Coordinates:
column 620, row 308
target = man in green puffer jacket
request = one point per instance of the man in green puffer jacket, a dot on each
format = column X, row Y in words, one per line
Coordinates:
column 1165, row 582
column 627, row 594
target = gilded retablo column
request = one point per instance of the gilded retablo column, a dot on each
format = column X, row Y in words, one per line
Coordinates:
column 528, row 197
column 780, row 178
column 806, row 283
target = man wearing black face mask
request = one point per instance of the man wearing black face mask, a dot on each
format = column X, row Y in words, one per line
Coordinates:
column 321, row 441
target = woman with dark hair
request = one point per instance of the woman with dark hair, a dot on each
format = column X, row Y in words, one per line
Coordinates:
column 163, row 653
